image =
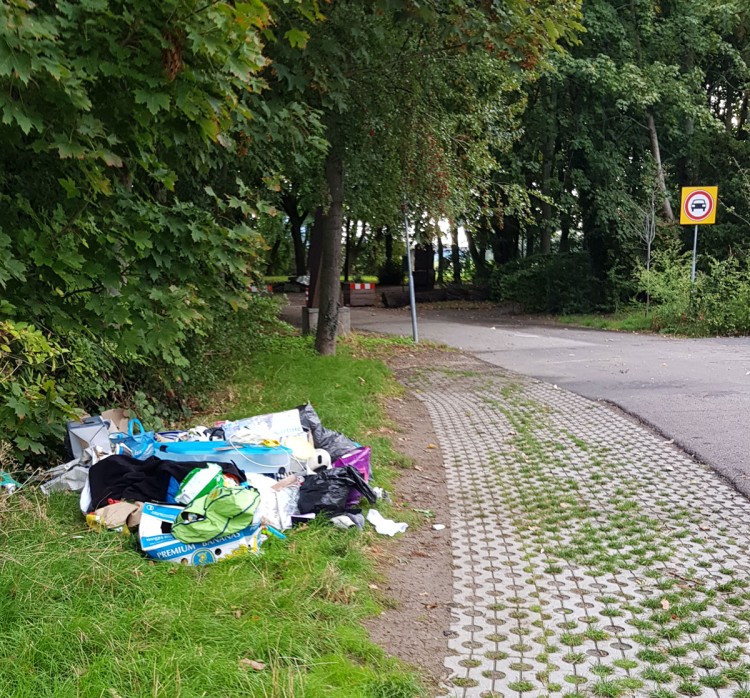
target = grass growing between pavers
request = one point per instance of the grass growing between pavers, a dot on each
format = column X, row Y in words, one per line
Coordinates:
column 601, row 561
column 84, row 614
column 606, row 535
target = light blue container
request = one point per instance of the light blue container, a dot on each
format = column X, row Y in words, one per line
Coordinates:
column 250, row 458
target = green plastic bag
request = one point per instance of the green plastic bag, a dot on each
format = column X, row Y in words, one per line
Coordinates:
column 222, row 512
column 199, row 482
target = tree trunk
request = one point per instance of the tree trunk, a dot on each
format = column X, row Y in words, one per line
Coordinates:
column 388, row 245
column 316, row 242
column 656, row 152
column 530, row 240
column 505, row 239
column 440, row 258
column 347, row 249
column 273, row 257
column 361, row 242
column 729, row 110
column 290, row 204
column 330, row 267
column 548, row 160
column 564, row 235
column 300, row 263
column 476, row 257
column 455, row 255
column 742, row 117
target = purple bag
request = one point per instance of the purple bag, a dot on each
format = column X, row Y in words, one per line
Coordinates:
column 359, row 459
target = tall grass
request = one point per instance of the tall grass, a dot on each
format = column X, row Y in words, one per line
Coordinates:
column 84, row 614
column 718, row 303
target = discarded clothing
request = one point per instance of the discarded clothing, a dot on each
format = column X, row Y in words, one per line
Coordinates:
column 386, row 527
column 222, row 512
column 124, row 477
column 329, row 490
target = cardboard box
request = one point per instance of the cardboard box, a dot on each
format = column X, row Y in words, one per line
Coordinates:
column 164, row 546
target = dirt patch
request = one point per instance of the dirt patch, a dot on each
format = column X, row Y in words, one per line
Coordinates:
column 418, row 569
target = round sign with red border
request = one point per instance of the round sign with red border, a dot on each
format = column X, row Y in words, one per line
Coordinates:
column 698, row 206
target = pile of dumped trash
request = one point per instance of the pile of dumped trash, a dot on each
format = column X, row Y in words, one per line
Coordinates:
column 205, row 494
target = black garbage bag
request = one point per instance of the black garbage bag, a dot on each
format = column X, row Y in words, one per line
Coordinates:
column 332, row 441
column 328, row 490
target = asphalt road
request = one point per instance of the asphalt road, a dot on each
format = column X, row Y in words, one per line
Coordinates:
column 695, row 391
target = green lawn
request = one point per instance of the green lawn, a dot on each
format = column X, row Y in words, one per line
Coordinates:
column 634, row 320
column 83, row 614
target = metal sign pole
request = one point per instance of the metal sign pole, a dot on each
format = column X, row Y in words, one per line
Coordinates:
column 695, row 252
column 412, row 300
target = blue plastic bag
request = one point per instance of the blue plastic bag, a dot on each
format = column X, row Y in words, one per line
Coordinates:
column 140, row 445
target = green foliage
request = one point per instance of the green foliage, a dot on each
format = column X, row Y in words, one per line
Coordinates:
column 130, row 204
column 583, row 171
column 391, row 273
column 546, row 284
column 718, row 303
column 33, row 404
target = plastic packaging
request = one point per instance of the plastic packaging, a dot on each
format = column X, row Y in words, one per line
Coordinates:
column 359, row 459
column 334, row 442
column 140, row 445
column 329, row 490
column 251, row 459
column 7, row 484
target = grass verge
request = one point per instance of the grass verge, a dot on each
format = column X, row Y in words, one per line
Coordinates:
column 635, row 320
column 84, row 614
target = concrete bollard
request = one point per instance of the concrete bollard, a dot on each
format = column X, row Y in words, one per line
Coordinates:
column 310, row 321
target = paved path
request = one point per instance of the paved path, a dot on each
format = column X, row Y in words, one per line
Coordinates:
column 591, row 557
column 696, row 391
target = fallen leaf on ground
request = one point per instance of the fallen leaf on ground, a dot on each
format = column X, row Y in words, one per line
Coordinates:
column 373, row 586
column 431, row 446
column 237, row 613
column 665, row 604
column 252, row 664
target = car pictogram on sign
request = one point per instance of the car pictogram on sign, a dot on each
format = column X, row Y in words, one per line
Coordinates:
column 698, row 206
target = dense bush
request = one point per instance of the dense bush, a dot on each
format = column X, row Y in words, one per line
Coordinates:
column 550, row 284
column 129, row 203
column 47, row 379
column 391, row 273
column 717, row 304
